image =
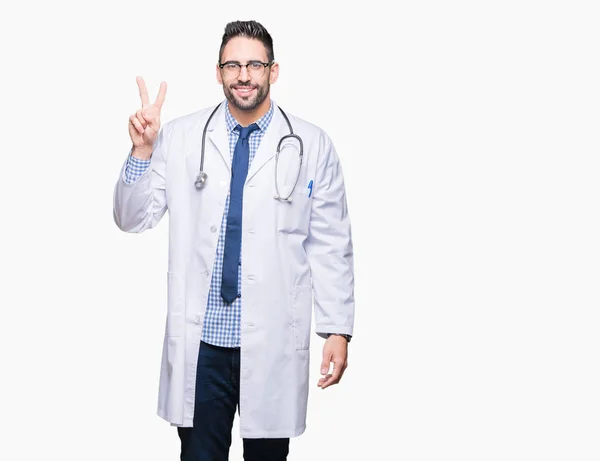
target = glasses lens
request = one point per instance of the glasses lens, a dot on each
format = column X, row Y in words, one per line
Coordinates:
column 256, row 69
column 231, row 69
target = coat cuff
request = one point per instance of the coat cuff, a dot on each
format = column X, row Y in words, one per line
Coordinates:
column 348, row 337
column 324, row 331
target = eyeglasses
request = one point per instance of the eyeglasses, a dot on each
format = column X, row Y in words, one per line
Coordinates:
column 254, row 68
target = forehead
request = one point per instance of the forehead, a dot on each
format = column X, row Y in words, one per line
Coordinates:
column 244, row 49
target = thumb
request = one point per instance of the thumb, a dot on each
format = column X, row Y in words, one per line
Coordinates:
column 325, row 363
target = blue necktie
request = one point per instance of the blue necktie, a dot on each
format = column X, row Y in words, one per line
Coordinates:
column 233, row 233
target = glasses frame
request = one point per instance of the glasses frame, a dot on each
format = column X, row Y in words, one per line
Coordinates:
column 240, row 65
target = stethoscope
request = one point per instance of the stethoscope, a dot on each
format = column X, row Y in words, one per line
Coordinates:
column 202, row 176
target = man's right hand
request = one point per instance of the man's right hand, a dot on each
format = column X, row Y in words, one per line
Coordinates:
column 144, row 125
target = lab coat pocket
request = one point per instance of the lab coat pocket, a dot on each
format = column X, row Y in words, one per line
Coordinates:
column 176, row 305
column 302, row 315
column 293, row 216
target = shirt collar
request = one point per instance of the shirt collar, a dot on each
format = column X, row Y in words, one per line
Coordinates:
column 262, row 123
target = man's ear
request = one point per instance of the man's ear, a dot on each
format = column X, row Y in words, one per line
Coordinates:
column 274, row 74
column 219, row 77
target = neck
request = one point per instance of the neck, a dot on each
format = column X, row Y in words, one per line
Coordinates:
column 247, row 117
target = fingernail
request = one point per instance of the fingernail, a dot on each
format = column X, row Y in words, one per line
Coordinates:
column 323, row 371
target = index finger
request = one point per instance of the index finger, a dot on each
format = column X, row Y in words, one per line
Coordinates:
column 162, row 92
column 143, row 91
column 337, row 370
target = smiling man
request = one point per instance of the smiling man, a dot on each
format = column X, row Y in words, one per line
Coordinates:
column 259, row 241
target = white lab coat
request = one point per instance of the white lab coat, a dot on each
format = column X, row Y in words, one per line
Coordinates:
column 291, row 252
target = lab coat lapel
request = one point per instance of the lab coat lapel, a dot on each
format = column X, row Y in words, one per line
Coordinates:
column 268, row 145
column 217, row 134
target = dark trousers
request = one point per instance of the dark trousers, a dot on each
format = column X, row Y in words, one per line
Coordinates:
column 217, row 398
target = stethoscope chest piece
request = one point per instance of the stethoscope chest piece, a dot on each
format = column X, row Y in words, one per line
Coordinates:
column 201, row 180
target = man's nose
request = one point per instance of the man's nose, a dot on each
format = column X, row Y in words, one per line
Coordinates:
column 244, row 75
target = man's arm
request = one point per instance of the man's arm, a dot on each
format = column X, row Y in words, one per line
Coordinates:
column 139, row 200
column 331, row 258
column 329, row 247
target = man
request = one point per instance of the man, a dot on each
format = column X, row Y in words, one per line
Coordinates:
column 244, row 262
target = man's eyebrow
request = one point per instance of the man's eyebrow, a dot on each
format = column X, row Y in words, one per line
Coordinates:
column 238, row 62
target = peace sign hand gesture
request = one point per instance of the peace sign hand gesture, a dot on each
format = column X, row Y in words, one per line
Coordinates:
column 144, row 125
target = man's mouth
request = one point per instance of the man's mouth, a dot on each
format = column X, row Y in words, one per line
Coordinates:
column 244, row 90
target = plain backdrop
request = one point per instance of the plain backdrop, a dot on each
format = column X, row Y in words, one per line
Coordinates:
column 468, row 135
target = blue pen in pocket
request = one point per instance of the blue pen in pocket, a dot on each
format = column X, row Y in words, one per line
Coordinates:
column 310, row 186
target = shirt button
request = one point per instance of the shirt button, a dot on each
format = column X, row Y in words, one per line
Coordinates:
column 213, row 229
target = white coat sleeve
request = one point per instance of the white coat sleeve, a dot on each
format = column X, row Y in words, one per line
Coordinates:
column 140, row 205
column 329, row 247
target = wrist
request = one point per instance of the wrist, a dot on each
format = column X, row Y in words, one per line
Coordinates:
column 143, row 153
column 346, row 337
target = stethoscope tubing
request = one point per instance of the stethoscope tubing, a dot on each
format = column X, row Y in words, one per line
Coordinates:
column 202, row 176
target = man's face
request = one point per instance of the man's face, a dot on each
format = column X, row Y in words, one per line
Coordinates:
column 246, row 87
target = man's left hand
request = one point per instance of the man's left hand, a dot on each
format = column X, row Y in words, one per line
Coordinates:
column 335, row 350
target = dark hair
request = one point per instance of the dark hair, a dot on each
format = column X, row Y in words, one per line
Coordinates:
column 250, row 29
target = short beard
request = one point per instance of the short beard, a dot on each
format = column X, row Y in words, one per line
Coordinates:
column 261, row 95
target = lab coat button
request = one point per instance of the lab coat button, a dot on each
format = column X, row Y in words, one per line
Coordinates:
column 213, row 229
column 197, row 319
